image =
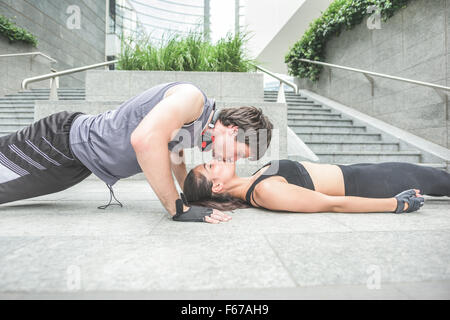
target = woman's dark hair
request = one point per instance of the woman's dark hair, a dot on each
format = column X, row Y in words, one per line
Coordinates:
column 198, row 191
column 251, row 120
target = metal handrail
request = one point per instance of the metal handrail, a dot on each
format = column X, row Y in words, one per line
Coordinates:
column 288, row 83
column 27, row 81
column 29, row 54
column 368, row 75
column 55, row 75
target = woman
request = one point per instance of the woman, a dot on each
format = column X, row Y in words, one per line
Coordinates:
column 286, row 185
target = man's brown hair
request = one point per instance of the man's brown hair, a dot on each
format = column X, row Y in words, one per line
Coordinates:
column 249, row 119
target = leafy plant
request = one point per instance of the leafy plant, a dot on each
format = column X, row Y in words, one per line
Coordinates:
column 14, row 33
column 189, row 53
column 340, row 15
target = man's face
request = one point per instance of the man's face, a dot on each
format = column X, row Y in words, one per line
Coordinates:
column 225, row 146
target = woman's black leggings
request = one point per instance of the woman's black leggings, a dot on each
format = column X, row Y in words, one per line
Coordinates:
column 387, row 179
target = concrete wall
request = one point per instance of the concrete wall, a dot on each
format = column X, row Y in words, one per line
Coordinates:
column 277, row 113
column 14, row 69
column 412, row 44
column 224, row 86
column 47, row 20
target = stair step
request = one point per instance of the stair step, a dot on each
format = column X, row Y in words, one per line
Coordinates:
column 433, row 165
column 290, row 103
column 17, row 105
column 275, row 93
column 327, row 129
column 324, row 147
column 12, row 129
column 286, row 93
column 338, row 137
column 369, row 156
column 13, row 111
column 59, row 90
column 43, row 93
column 12, row 99
column 314, row 116
column 319, row 121
column 304, row 104
column 288, row 99
column 17, row 115
column 12, row 122
column 307, row 110
column 6, row 123
column 28, row 96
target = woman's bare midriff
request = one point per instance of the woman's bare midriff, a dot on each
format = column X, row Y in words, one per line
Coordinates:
column 327, row 178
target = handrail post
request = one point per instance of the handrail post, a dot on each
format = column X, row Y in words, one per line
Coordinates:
column 281, row 97
column 372, row 83
column 291, row 84
column 53, row 89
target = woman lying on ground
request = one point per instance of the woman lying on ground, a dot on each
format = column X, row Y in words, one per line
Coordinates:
column 286, row 185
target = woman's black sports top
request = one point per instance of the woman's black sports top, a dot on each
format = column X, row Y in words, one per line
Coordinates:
column 293, row 171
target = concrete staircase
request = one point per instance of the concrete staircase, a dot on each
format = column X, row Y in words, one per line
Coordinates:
column 335, row 138
column 17, row 110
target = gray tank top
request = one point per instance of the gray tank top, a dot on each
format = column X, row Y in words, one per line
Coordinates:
column 102, row 142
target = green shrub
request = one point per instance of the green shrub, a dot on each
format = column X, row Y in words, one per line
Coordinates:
column 340, row 15
column 189, row 53
column 14, row 33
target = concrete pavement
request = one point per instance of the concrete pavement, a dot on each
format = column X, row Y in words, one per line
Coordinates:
column 62, row 246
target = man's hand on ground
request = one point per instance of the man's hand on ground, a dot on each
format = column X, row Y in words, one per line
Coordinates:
column 198, row 214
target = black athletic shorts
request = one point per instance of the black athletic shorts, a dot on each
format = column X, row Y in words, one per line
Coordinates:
column 37, row 159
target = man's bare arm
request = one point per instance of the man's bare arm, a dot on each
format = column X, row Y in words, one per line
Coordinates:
column 178, row 167
column 151, row 137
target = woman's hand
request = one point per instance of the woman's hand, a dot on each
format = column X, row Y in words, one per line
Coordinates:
column 217, row 216
column 409, row 201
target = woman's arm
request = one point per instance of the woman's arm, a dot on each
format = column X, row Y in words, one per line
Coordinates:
column 281, row 196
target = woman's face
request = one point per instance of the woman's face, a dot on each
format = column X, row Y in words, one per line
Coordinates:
column 219, row 172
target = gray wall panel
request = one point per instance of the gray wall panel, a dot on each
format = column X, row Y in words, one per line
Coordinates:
column 46, row 19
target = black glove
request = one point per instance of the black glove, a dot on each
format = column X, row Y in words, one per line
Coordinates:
column 183, row 197
column 194, row 214
column 414, row 203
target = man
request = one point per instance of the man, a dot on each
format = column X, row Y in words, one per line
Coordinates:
column 146, row 134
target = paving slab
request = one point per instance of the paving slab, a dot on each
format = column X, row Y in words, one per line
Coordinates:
column 370, row 258
column 74, row 218
column 431, row 217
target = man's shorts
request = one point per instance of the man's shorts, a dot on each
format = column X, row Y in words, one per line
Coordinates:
column 37, row 159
